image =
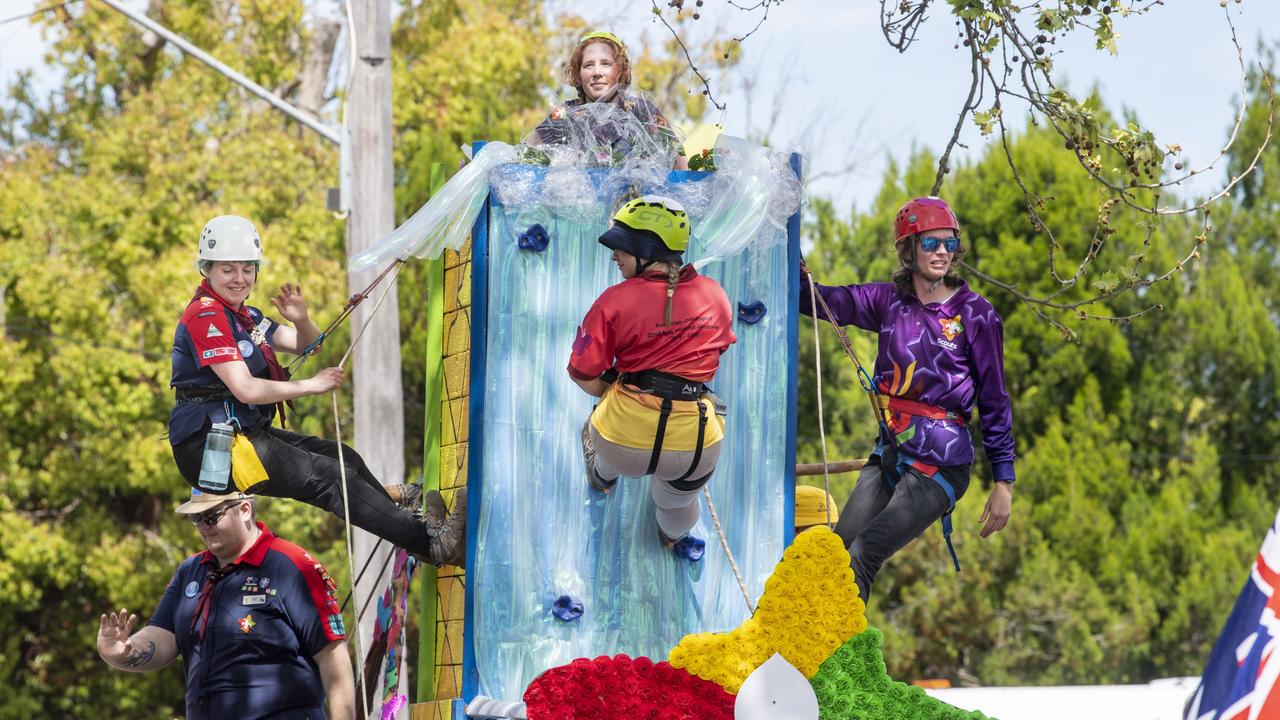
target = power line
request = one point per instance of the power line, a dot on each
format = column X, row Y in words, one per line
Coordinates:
column 37, row 11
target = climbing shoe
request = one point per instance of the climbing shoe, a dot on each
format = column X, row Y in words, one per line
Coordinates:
column 596, row 482
column 448, row 532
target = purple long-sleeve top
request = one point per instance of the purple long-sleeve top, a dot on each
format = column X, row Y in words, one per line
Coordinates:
column 948, row 354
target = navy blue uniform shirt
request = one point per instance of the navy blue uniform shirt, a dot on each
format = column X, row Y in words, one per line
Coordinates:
column 268, row 617
column 209, row 333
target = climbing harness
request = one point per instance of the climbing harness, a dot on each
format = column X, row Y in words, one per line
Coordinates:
column 892, row 464
column 906, row 462
column 671, row 388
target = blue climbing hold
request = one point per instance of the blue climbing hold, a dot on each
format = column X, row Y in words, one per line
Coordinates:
column 535, row 239
column 751, row 313
column 690, row 548
column 567, row 608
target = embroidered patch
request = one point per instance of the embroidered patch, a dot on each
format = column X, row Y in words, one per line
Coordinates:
column 213, row 332
column 192, row 588
column 207, row 313
column 246, row 624
column 206, row 301
column 215, row 352
column 581, row 344
column 250, row 600
column 246, row 348
column 335, row 625
column 951, row 327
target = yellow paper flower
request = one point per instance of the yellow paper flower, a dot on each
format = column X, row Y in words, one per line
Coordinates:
column 810, row 608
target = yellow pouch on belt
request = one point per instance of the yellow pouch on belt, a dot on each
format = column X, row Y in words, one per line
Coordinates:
column 246, row 468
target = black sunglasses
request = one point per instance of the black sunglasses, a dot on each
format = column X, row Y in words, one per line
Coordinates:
column 930, row 244
column 210, row 517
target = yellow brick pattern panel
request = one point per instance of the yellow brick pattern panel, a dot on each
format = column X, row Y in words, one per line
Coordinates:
column 454, row 420
column 438, row 710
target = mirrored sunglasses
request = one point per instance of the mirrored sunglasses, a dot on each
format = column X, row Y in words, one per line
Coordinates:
column 930, row 244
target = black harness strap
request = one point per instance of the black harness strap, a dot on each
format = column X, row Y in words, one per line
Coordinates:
column 697, row 450
column 184, row 394
column 661, row 433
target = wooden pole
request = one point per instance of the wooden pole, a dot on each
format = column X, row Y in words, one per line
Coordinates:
column 379, row 398
column 835, row 468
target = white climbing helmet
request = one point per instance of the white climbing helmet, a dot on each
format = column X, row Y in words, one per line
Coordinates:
column 230, row 238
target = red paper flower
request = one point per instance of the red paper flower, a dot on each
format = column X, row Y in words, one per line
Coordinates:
column 623, row 688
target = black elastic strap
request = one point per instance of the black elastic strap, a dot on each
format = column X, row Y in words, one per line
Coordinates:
column 659, row 435
column 687, row 485
column 697, row 450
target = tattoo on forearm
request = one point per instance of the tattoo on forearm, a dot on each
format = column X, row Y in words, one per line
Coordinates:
column 141, row 655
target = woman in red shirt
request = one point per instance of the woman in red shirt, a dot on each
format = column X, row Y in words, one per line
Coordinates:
column 646, row 349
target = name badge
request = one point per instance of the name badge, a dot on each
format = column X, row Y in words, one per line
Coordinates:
column 250, row 600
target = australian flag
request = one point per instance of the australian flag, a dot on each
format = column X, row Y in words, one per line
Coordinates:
column 1239, row 681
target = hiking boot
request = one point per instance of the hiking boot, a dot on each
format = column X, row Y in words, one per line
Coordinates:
column 448, row 533
column 408, row 496
column 596, row 482
column 433, row 510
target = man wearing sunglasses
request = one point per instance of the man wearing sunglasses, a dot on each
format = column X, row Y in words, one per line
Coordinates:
column 940, row 355
column 254, row 618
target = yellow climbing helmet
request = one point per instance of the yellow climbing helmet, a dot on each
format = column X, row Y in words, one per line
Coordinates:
column 814, row 506
column 661, row 216
column 602, row 35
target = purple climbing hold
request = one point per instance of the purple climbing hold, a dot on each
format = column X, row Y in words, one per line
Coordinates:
column 690, row 548
column 535, row 239
column 567, row 608
column 751, row 313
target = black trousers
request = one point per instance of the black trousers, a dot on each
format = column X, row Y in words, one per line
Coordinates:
column 306, row 468
column 877, row 521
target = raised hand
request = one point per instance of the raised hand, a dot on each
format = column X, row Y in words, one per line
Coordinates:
column 290, row 303
column 113, row 636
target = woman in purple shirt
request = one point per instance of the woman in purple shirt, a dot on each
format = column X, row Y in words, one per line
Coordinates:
column 940, row 353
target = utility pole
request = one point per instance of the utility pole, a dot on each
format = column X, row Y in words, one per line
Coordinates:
column 379, row 398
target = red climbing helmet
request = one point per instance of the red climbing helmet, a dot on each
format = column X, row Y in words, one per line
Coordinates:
column 922, row 215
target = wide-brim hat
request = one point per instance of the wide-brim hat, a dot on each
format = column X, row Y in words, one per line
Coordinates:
column 643, row 244
column 202, row 501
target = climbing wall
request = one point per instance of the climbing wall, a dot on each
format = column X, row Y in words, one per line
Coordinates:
column 536, row 532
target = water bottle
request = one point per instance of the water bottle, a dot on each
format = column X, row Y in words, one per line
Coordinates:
column 215, row 466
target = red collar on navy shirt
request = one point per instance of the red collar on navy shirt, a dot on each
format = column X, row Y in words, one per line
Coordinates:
column 206, row 290
column 254, row 555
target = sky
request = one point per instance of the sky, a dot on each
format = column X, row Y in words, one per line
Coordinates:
column 828, row 84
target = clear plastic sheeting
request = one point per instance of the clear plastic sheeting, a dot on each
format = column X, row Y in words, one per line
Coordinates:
column 750, row 197
column 541, row 533
column 446, row 219
column 623, row 129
